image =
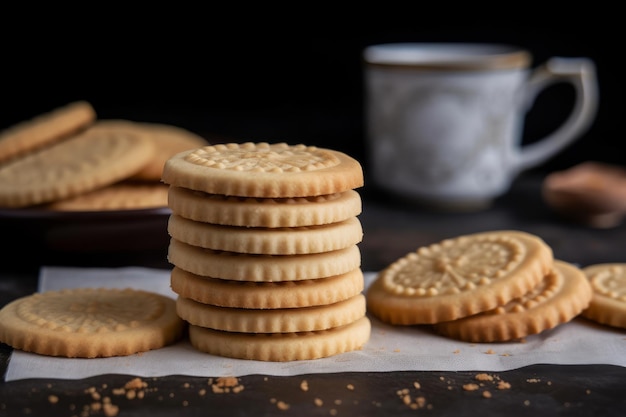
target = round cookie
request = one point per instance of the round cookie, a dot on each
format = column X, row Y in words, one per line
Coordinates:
column 168, row 140
column 45, row 129
column 264, row 212
column 283, row 294
column 608, row 304
column 82, row 163
column 284, row 320
column 90, row 322
column 269, row 241
column 123, row 195
column 264, row 170
column 262, row 268
column 557, row 299
column 459, row 277
column 282, row 347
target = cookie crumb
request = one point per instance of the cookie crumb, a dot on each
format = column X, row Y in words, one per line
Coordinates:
column 504, row 385
column 281, row 405
column 304, row 385
column 490, row 352
column 470, row 387
column 53, row 399
column 486, row 394
column 483, row 377
column 318, row 402
column 350, row 387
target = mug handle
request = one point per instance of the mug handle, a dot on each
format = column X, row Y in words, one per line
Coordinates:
column 580, row 72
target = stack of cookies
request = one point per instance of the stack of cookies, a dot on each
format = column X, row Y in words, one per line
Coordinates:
column 484, row 287
column 264, row 250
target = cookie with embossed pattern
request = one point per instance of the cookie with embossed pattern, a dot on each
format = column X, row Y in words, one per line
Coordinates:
column 82, row 163
column 608, row 304
column 264, row 170
column 90, row 322
column 45, row 129
column 560, row 296
column 459, row 277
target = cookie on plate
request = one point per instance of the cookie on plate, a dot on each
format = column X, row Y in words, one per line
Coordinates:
column 608, row 304
column 560, row 296
column 82, row 163
column 168, row 140
column 45, row 129
column 459, row 277
column 90, row 322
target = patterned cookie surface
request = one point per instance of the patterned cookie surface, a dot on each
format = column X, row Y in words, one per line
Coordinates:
column 262, row 268
column 608, row 304
column 282, row 347
column 90, row 322
column 45, row 129
column 459, row 277
column 76, row 165
column 283, row 294
column 557, row 299
column 284, row 320
column 168, row 140
column 264, row 212
column 264, row 170
column 270, row 241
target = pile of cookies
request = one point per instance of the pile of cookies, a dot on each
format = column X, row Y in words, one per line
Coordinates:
column 485, row 287
column 264, row 250
column 69, row 160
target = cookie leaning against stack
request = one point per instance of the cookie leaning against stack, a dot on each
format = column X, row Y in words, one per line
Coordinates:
column 483, row 287
column 264, row 246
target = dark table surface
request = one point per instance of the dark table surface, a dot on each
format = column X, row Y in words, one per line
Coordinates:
column 391, row 229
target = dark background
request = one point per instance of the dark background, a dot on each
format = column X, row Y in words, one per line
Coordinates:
column 259, row 79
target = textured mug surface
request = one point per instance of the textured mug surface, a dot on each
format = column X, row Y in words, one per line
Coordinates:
column 444, row 121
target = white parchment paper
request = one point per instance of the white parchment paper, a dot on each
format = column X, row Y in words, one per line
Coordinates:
column 390, row 348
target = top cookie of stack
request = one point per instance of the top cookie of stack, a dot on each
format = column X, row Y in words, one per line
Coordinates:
column 264, row 247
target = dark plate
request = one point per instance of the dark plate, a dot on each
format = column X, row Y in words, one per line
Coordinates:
column 85, row 238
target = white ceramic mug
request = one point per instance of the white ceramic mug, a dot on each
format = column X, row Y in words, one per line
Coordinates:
column 445, row 120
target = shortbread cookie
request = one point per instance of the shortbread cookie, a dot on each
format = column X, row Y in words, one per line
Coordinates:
column 264, row 170
column 264, row 212
column 557, row 299
column 262, row 268
column 285, row 294
column 90, row 322
column 45, row 129
column 608, row 304
column 270, row 241
column 123, row 195
column 82, row 163
column 282, row 347
column 458, row 277
column 168, row 140
column 284, row 320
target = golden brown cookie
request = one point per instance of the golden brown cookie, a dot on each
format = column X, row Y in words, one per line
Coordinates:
column 125, row 195
column 459, row 277
column 90, row 322
column 264, row 170
column 262, row 268
column 608, row 304
column 283, row 294
column 264, row 212
column 263, row 240
column 282, row 347
column 45, row 129
column 82, row 163
column 561, row 296
column 168, row 140
column 283, row 320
